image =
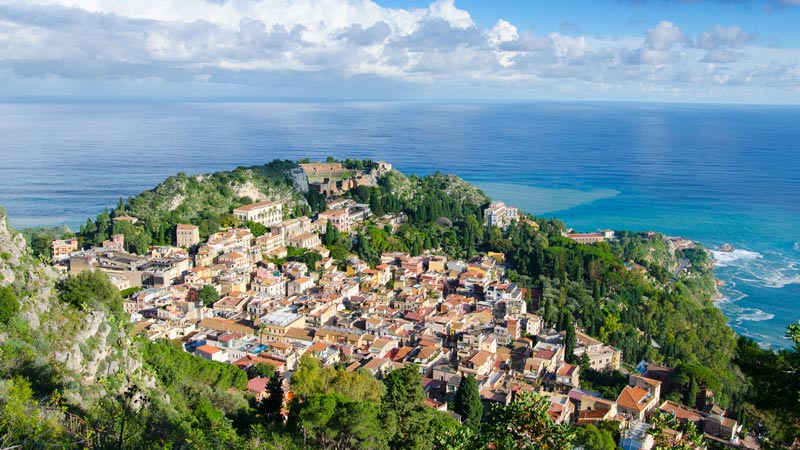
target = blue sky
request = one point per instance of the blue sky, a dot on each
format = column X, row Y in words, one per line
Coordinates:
column 727, row 51
column 770, row 19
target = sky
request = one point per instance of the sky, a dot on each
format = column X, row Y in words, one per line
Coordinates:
column 723, row 51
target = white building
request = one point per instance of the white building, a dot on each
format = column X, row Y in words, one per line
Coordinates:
column 499, row 215
column 266, row 213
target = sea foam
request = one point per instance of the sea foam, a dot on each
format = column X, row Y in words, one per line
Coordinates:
column 724, row 259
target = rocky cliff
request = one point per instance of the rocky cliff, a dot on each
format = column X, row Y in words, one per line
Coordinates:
column 80, row 351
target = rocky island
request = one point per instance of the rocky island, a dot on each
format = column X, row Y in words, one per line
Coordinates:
column 343, row 304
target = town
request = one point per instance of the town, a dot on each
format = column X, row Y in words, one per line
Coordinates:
column 238, row 298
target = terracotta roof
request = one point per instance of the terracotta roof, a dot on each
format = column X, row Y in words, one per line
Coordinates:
column 208, row 349
column 186, row 227
column 258, row 384
column 631, row 398
column 567, row 370
column 480, row 358
column 681, row 412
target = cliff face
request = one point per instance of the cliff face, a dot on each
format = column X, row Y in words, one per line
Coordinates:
column 80, row 350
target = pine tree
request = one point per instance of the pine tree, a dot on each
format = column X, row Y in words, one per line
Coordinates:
column 468, row 402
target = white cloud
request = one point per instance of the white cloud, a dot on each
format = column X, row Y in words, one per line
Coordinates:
column 274, row 46
column 664, row 36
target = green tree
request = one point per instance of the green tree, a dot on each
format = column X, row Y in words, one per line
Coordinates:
column 793, row 333
column 468, row 402
column 270, row 407
column 256, row 228
column 585, row 363
column 208, row 295
column 404, row 405
column 691, row 393
column 264, row 370
column 9, row 305
column 525, row 424
column 24, row 422
column 91, row 289
column 570, row 341
column 591, row 438
column 310, row 259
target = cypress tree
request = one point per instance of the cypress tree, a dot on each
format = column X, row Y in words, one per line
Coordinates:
column 691, row 395
column 468, row 402
column 271, row 406
column 570, row 341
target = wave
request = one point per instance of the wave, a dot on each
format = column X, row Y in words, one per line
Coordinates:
column 753, row 315
column 768, row 270
column 796, row 247
column 724, row 259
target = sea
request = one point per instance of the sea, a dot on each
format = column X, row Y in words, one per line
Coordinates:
column 712, row 173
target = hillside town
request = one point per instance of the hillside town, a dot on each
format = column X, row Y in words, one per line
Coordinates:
column 450, row 318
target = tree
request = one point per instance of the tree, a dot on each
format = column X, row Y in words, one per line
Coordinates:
column 468, row 402
column 404, row 405
column 9, row 305
column 570, row 341
column 310, row 259
column 123, row 418
column 270, row 407
column 331, row 234
column 24, row 423
column 91, row 289
column 793, row 333
column 208, row 295
column 691, row 394
column 263, row 369
column 525, row 424
column 256, row 228
column 585, row 363
column 591, row 438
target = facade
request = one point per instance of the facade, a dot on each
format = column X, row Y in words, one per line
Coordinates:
column 187, row 235
column 266, row 213
column 339, row 218
column 275, row 325
column 499, row 215
column 211, row 353
column 62, row 248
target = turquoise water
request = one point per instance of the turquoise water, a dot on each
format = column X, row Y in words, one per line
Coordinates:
column 715, row 174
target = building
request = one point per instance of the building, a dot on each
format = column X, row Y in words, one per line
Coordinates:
column 266, row 213
column 187, row 235
column 590, row 238
column 211, row 353
column 339, row 218
column 305, row 240
column 636, row 402
column 62, row 248
column 601, row 357
column 499, row 215
column 275, row 325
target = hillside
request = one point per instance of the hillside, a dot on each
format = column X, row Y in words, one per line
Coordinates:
column 205, row 200
column 67, row 347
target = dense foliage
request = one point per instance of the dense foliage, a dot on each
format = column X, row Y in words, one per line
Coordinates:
column 91, row 290
column 203, row 200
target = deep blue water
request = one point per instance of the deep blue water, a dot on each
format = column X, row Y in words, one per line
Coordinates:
column 711, row 173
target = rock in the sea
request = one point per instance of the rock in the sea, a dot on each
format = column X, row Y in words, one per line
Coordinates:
column 726, row 248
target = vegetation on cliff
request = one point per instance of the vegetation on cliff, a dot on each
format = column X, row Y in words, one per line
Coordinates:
column 204, row 200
